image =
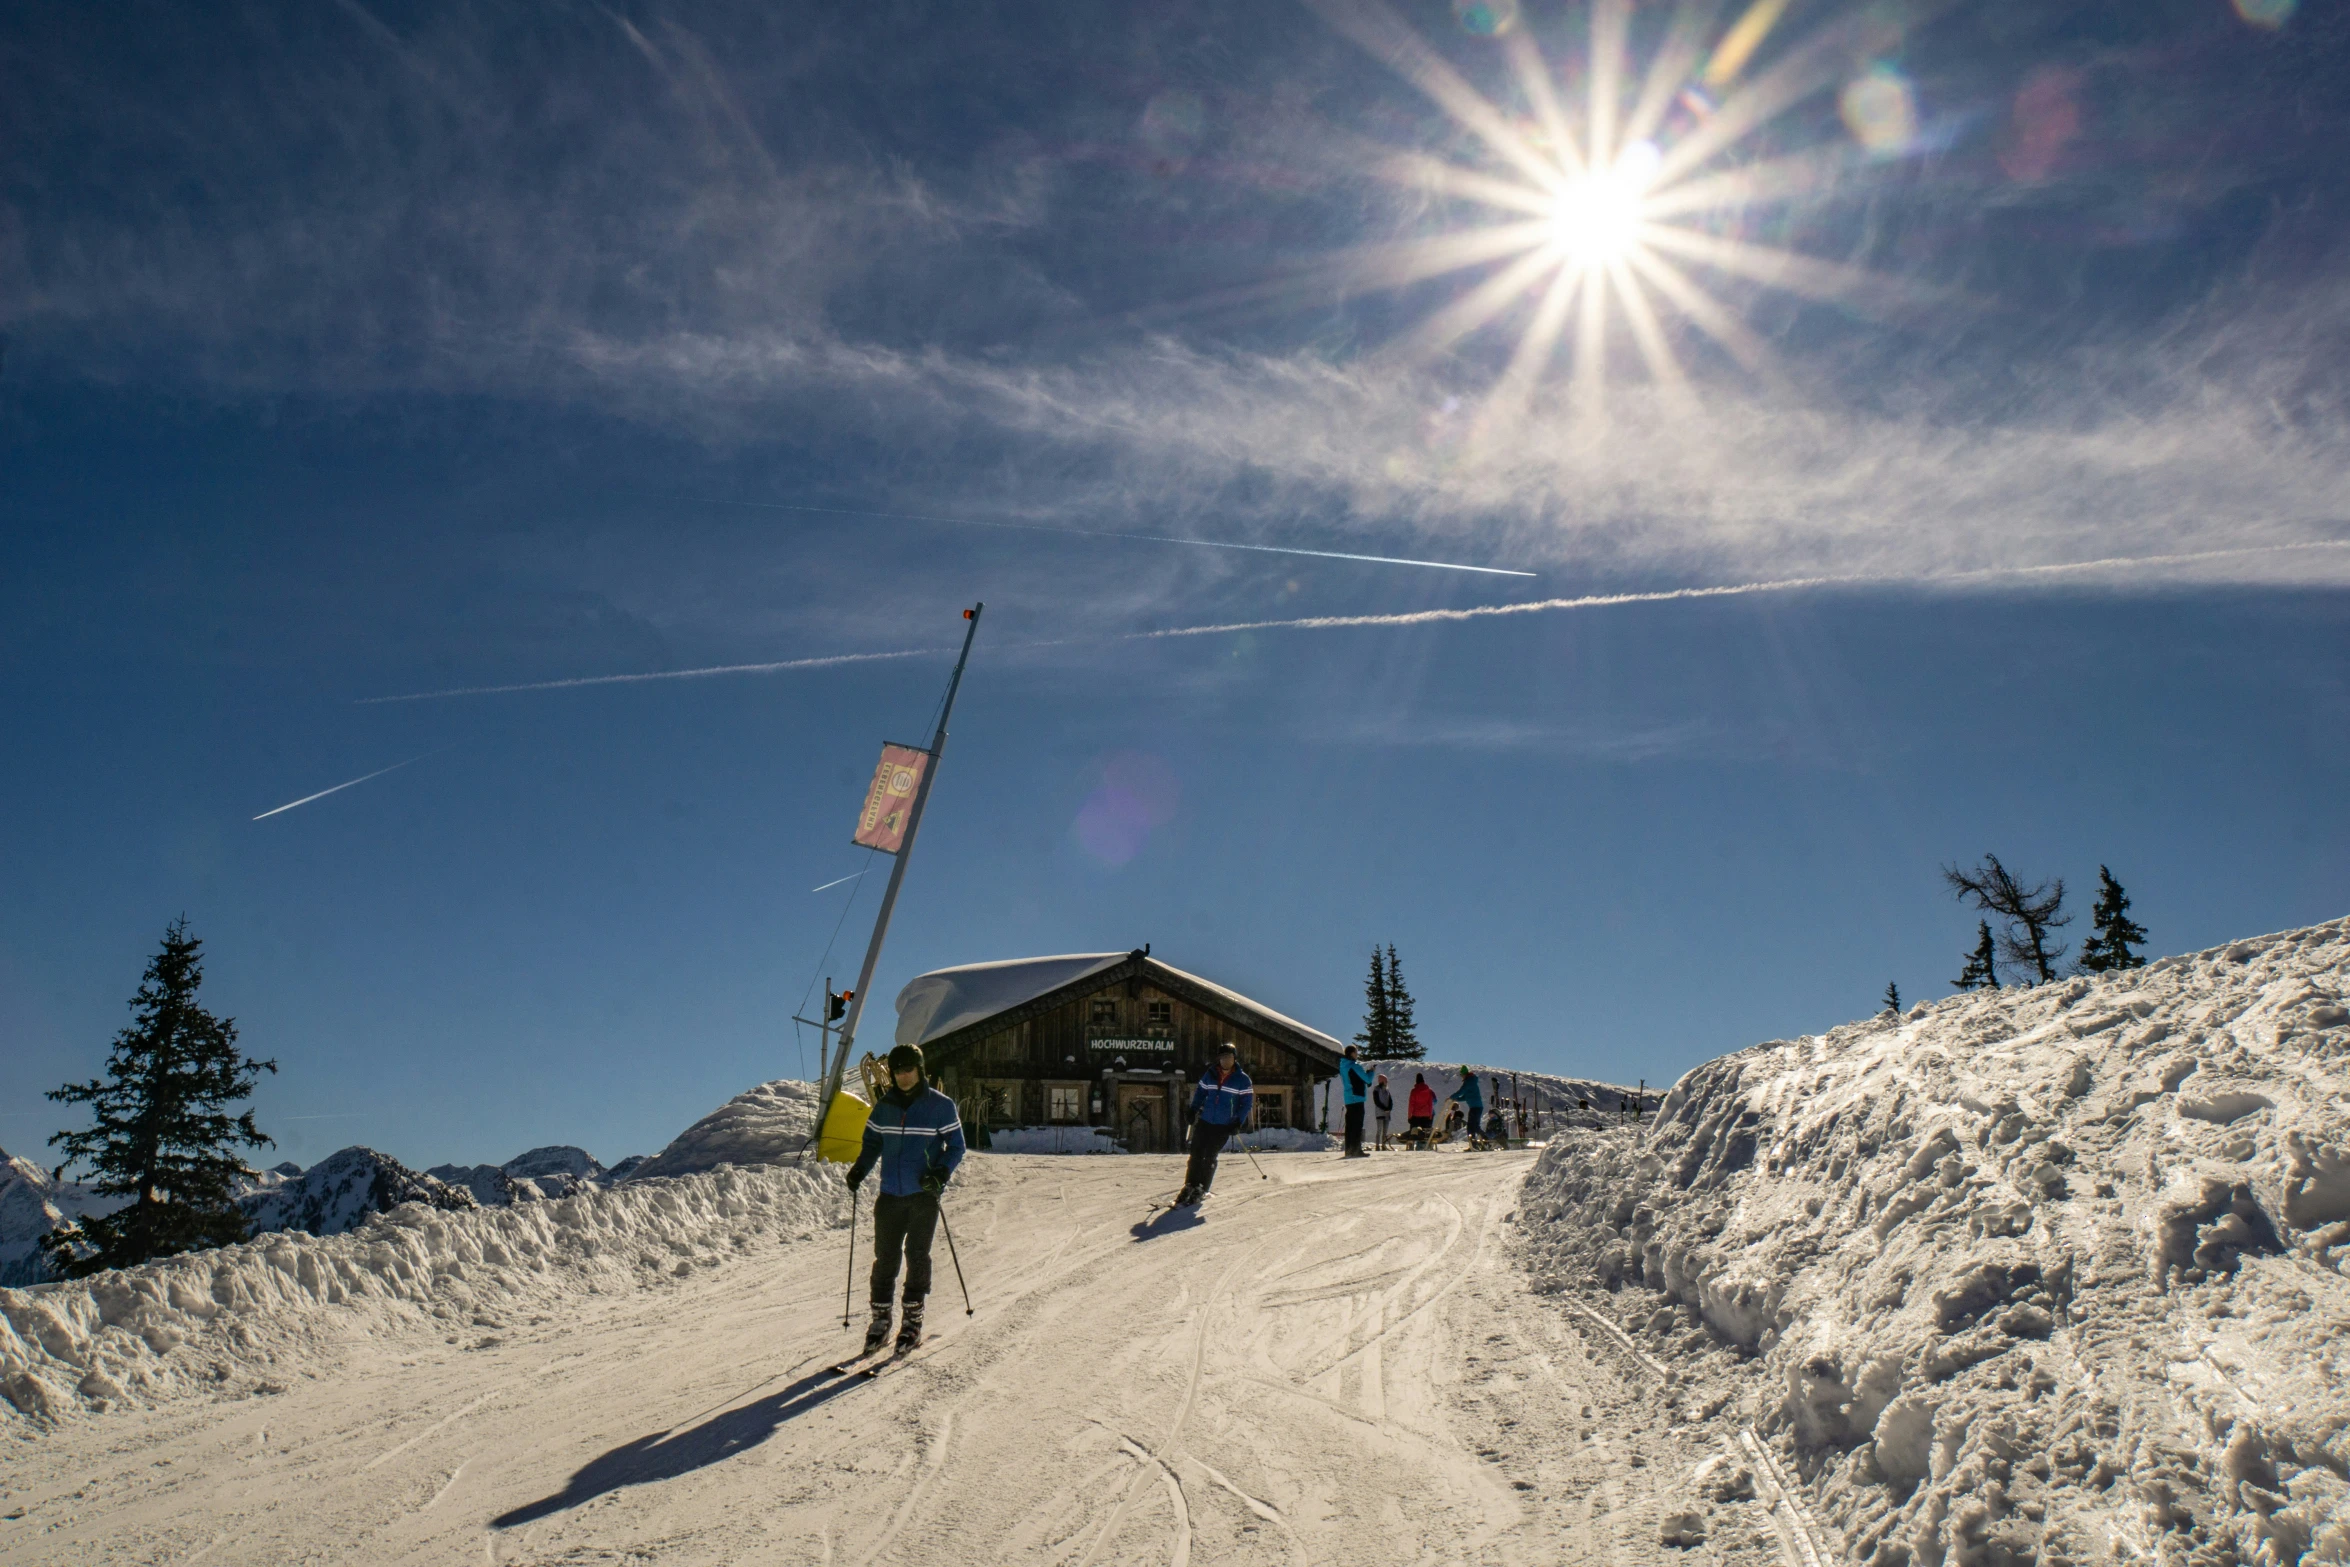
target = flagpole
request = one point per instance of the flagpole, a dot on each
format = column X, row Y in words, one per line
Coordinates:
column 897, row 875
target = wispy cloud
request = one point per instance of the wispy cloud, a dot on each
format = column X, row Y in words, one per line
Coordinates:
column 672, row 237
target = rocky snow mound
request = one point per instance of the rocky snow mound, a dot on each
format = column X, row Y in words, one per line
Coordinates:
column 762, row 1125
column 2050, row 1275
column 244, row 1318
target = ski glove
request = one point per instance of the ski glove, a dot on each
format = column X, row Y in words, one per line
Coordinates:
column 934, row 1181
column 855, row 1176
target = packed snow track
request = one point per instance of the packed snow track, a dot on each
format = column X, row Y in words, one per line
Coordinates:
column 1341, row 1363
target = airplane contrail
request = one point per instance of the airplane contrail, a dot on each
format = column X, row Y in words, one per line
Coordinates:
column 1148, row 538
column 339, row 788
column 658, row 674
column 1424, row 617
column 1417, row 617
column 852, row 876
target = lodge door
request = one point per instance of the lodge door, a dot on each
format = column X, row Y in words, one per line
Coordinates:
column 1142, row 1117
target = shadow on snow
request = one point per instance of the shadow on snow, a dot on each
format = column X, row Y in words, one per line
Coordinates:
column 665, row 1455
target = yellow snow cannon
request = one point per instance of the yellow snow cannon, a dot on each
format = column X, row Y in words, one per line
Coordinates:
column 844, row 1128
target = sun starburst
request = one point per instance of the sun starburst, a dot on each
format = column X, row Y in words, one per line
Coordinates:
column 1610, row 208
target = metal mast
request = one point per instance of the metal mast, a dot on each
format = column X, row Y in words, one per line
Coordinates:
column 897, row 876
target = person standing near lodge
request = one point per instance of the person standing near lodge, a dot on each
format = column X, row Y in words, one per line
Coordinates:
column 1383, row 1102
column 1471, row 1094
column 1420, row 1109
column 1355, row 1079
column 916, row 1137
column 1220, row 1107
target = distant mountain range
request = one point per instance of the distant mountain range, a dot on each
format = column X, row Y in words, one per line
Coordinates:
column 333, row 1196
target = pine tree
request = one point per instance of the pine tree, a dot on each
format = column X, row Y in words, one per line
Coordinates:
column 163, row 1133
column 1378, row 1020
column 1403, row 1038
column 2108, row 950
column 2029, row 916
column 1982, row 965
column 1892, row 996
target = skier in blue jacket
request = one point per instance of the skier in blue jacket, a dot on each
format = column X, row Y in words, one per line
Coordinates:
column 1220, row 1107
column 916, row 1137
column 1355, row 1079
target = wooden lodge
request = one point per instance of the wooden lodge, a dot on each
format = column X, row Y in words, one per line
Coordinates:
column 1103, row 1040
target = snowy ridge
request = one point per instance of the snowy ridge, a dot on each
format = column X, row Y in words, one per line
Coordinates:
column 214, row 1322
column 337, row 1194
column 2049, row 1275
column 31, row 1205
column 763, row 1125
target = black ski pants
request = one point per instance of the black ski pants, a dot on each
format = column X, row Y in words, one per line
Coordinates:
column 1354, row 1127
column 902, row 1224
column 1207, row 1141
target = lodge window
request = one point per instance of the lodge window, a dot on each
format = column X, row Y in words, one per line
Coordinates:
column 999, row 1102
column 1068, row 1103
column 1105, row 1010
column 1161, row 1014
column 1272, row 1107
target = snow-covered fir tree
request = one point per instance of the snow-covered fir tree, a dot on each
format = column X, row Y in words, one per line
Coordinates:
column 163, row 1134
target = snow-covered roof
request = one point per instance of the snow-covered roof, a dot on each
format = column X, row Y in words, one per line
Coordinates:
column 946, row 999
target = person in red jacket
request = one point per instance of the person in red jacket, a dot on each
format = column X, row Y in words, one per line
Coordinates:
column 1420, row 1110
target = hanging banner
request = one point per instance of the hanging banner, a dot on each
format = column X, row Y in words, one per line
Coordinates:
column 889, row 804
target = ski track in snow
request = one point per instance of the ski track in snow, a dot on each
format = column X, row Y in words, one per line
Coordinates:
column 1340, row 1364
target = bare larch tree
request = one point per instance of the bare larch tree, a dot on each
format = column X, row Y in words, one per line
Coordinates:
column 2029, row 916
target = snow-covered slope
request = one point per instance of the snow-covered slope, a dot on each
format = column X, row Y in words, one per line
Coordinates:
column 762, row 1125
column 31, row 1205
column 2027, row 1276
column 247, row 1318
column 338, row 1193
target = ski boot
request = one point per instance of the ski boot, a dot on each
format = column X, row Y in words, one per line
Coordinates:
column 910, row 1327
column 1188, row 1197
column 877, row 1331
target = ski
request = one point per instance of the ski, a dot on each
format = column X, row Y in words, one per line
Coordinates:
column 859, row 1363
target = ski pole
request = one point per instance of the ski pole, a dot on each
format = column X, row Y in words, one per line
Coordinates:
column 958, row 1261
column 1252, row 1158
column 850, row 1288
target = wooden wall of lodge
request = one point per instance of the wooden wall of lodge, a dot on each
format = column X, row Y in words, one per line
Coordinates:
column 1037, row 1052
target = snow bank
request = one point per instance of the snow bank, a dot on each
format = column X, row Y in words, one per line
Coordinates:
column 2028, row 1276
column 244, row 1318
column 762, row 1125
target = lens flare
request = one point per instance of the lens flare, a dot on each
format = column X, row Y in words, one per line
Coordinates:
column 1617, row 185
column 1881, row 111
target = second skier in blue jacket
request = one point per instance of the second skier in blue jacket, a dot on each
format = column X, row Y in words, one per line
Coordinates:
column 1220, row 1107
column 916, row 1137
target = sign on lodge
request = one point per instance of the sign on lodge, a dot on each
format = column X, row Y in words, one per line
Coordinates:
column 1111, row 1041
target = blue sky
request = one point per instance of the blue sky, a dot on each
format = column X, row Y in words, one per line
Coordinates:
column 368, row 351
